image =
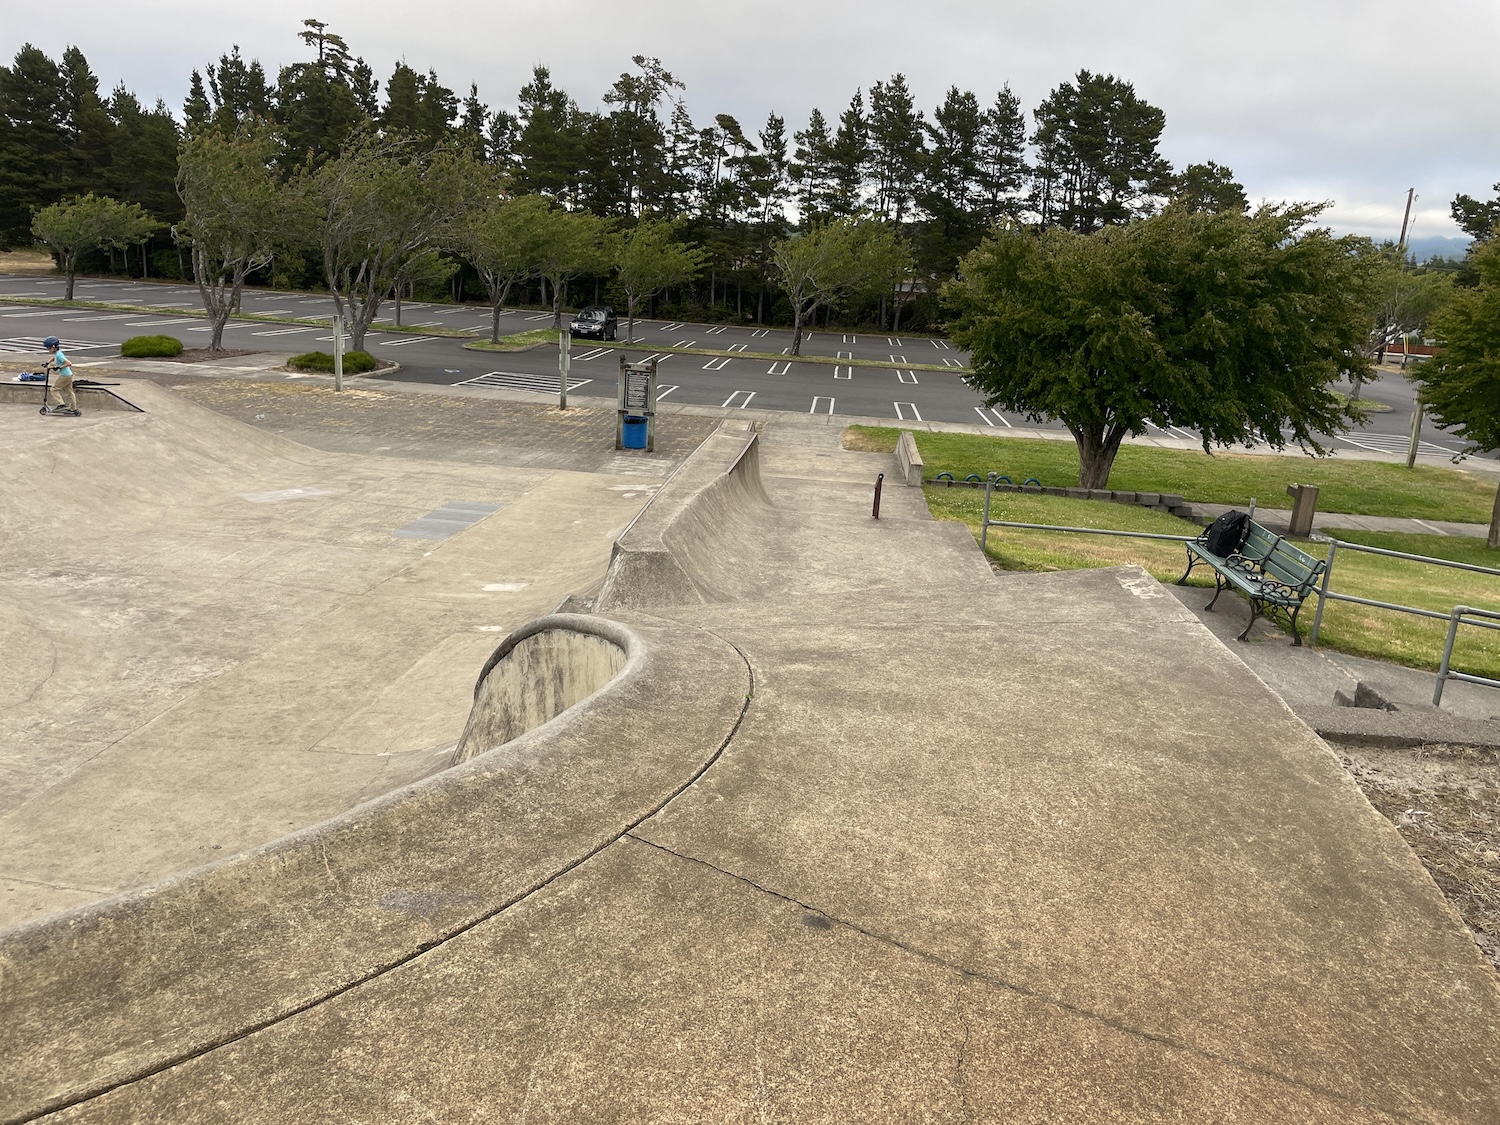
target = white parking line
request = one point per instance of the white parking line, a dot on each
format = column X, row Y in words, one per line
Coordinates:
column 761, row 332
column 846, row 355
column 91, row 319
column 283, row 331
column 149, row 323
column 659, row 357
column 720, row 328
column 848, row 339
column 684, row 343
column 663, row 392
column 898, row 359
column 671, row 327
column 717, row 364
column 901, row 416
column 906, row 376
column 821, row 398
column 893, row 341
column 785, row 369
column 951, row 362
column 943, row 344
column 843, row 372
column 738, row 347
column 980, row 411
column 593, row 353
column 408, row 340
column 543, row 316
column 730, row 400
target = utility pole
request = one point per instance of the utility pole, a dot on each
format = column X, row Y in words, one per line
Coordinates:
column 1411, row 194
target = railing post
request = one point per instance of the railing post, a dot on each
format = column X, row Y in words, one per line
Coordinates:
column 879, row 480
column 1333, row 545
column 984, row 528
column 1442, row 676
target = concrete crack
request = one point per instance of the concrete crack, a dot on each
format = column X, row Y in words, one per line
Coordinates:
column 1001, row 984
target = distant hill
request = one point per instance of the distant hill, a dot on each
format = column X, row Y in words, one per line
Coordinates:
column 1424, row 248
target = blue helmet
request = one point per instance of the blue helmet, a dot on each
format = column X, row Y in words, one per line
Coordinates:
column 51, row 342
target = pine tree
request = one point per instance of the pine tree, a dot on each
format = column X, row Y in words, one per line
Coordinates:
column 34, row 153
column 1097, row 158
column 897, row 147
column 849, row 156
column 812, row 168
column 1001, row 158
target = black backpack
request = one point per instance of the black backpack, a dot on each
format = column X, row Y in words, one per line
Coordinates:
column 1226, row 533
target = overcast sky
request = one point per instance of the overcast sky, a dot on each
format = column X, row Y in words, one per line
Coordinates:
column 1319, row 99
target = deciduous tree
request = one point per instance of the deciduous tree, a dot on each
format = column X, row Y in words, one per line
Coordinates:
column 1461, row 384
column 502, row 239
column 1236, row 326
column 822, row 265
column 234, row 217
column 87, row 223
column 650, row 258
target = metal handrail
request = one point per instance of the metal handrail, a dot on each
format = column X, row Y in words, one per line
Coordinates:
column 1326, row 595
column 1445, row 670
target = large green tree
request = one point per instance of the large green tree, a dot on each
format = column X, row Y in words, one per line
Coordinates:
column 1478, row 218
column 235, row 215
column 87, row 223
column 1237, row 326
column 377, row 205
column 1461, row 384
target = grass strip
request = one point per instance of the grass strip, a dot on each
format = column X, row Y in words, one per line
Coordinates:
column 516, row 341
column 1357, row 487
column 1398, row 638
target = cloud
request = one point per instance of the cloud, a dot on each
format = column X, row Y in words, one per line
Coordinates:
column 1353, row 101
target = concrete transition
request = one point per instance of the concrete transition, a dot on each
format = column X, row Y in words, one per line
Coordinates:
column 810, row 817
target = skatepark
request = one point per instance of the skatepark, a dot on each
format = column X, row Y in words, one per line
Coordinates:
column 359, row 786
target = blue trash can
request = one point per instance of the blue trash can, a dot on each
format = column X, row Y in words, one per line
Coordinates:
column 633, row 432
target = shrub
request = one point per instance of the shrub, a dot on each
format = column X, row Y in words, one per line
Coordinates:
column 151, row 347
column 355, row 363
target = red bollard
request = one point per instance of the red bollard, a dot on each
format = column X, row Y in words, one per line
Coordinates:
column 879, row 480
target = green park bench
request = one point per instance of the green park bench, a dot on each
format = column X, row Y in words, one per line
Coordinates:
column 1272, row 573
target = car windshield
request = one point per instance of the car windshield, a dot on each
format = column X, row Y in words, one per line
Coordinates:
column 591, row 314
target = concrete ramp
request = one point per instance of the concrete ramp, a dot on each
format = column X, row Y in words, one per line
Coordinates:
column 843, row 827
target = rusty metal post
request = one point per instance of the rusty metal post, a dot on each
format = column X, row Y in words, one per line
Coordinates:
column 879, row 480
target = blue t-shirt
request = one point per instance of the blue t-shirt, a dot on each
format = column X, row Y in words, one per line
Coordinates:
column 60, row 361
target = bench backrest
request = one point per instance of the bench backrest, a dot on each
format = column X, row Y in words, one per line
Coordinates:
column 1281, row 560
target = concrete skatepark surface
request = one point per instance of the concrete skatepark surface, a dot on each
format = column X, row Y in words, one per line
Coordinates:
column 854, row 830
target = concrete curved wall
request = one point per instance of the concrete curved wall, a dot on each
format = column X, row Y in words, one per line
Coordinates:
column 124, row 988
column 695, row 542
column 537, row 674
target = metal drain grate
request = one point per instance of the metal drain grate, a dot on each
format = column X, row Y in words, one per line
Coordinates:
column 449, row 520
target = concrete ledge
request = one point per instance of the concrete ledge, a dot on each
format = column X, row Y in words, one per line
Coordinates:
column 128, row 987
column 1399, row 728
column 671, row 553
column 908, row 459
column 89, row 398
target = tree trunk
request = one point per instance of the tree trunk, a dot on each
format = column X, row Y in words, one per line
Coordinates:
column 495, row 323
column 1096, row 453
column 630, row 302
column 1493, row 542
column 557, row 305
column 796, row 327
column 69, row 295
column 399, row 287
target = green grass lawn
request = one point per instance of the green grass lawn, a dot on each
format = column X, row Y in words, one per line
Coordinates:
column 1380, row 634
column 517, row 341
column 1360, row 487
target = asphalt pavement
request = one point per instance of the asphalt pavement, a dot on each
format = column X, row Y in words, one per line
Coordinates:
column 900, row 394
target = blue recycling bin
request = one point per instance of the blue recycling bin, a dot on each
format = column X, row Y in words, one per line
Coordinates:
column 633, row 432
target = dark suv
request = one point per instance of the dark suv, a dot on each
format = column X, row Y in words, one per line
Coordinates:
column 596, row 322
